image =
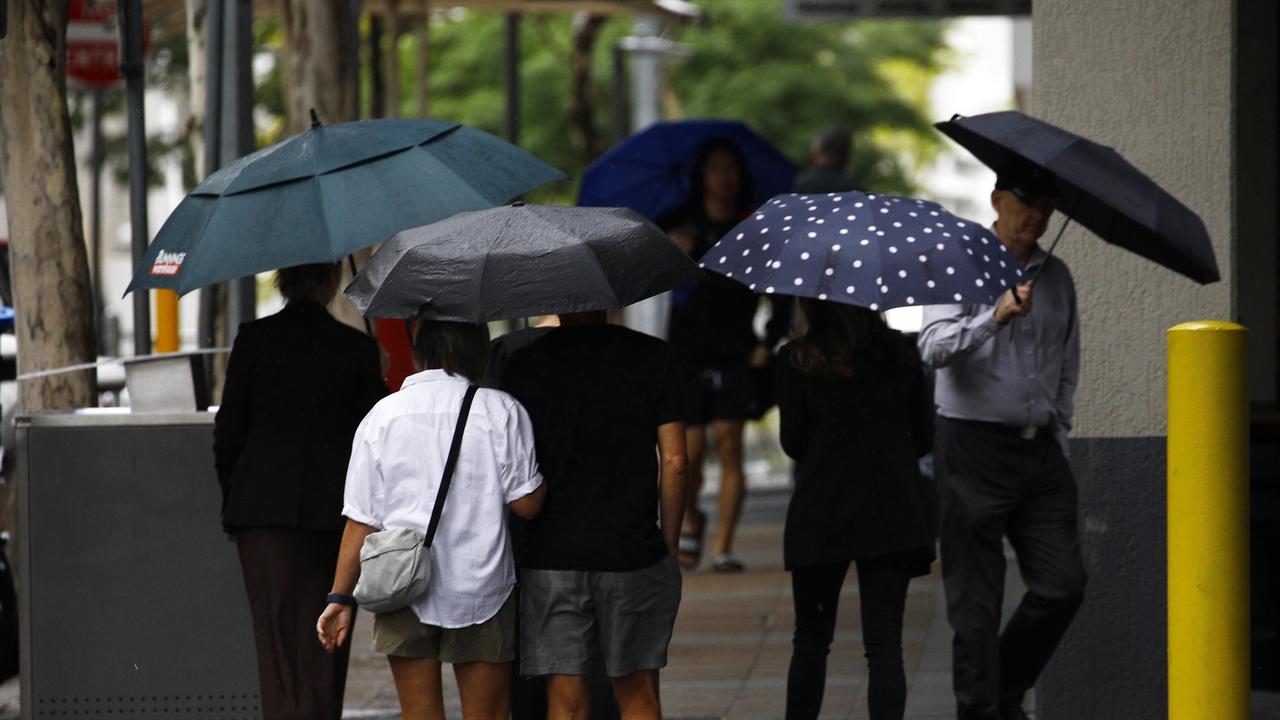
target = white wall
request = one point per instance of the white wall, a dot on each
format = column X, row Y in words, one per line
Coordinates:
column 1153, row 80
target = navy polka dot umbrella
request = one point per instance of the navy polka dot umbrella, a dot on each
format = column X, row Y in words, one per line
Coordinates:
column 875, row 251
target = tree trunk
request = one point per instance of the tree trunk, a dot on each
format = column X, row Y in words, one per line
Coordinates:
column 322, row 62
column 50, row 268
column 582, row 121
column 197, row 49
column 322, row 66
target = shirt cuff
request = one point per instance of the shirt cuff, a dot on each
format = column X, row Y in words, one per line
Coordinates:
column 985, row 326
column 524, row 488
column 352, row 513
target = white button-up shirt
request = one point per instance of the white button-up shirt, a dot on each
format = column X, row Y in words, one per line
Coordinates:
column 397, row 461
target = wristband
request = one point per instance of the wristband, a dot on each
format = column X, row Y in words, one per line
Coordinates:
column 340, row 599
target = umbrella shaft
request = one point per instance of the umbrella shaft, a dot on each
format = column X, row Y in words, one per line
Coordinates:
column 1066, row 220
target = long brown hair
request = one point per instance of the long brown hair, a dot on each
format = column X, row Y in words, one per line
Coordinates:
column 835, row 334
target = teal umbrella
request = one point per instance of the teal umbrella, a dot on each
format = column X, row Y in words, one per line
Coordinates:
column 330, row 191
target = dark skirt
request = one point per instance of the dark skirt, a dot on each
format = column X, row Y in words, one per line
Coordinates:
column 287, row 574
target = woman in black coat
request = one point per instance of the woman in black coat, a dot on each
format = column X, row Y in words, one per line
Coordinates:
column 298, row 384
column 855, row 417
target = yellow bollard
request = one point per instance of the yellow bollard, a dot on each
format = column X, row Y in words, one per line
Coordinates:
column 166, row 321
column 1208, row 522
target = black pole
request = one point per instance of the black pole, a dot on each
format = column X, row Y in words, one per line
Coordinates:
column 132, row 69
column 237, row 134
column 207, row 332
column 95, row 217
column 377, row 88
column 513, row 77
column 621, row 95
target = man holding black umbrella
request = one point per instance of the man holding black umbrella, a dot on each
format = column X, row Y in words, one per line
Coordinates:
column 1005, row 384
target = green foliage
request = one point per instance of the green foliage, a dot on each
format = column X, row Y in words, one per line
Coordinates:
column 790, row 80
column 786, row 80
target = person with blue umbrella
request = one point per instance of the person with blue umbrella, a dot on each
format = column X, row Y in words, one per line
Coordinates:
column 712, row 332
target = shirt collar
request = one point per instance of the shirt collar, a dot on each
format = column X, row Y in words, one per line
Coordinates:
column 435, row 375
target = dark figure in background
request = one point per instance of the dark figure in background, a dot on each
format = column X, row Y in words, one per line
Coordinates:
column 855, row 418
column 712, row 334
column 298, row 384
column 1005, row 385
column 829, row 155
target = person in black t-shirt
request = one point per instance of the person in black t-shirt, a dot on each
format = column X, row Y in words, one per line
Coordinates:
column 713, row 336
column 608, row 409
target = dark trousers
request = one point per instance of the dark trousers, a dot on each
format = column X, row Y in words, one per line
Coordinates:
column 287, row 574
column 882, row 589
column 993, row 485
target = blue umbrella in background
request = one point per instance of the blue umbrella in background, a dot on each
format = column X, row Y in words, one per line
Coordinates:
column 649, row 171
column 330, row 191
column 874, row 251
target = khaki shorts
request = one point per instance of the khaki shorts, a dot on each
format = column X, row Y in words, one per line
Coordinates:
column 402, row 634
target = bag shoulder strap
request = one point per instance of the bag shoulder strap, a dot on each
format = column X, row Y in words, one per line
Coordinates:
column 450, row 464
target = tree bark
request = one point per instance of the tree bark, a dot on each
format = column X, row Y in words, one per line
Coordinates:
column 582, row 122
column 197, row 47
column 322, row 62
column 322, row 66
column 52, row 293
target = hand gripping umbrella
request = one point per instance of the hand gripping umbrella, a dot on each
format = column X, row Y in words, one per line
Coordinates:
column 649, row 172
column 519, row 261
column 1095, row 186
column 330, row 191
column 874, row 251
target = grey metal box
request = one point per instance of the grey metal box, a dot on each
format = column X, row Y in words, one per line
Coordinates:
column 131, row 599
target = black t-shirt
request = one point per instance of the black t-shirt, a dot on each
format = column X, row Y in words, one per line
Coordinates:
column 712, row 319
column 596, row 395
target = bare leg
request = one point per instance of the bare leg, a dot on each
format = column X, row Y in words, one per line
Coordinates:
column 485, row 689
column 637, row 695
column 733, row 486
column 568, row 697
column 418, row 687
column 695, row 520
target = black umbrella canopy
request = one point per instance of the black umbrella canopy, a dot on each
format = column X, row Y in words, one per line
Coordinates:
column 519, row 261
column 1095, row 186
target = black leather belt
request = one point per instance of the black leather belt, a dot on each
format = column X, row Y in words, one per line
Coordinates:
column 1026, row 432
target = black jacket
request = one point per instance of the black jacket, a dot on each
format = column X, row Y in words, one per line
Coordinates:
column 856, row 441
column 712, row 322
column 298, row 384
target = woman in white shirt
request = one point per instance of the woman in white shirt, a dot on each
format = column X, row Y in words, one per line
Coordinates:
column 467, row 615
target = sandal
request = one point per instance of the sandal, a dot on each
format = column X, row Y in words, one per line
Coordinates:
column 689, row 547
column 726, row 564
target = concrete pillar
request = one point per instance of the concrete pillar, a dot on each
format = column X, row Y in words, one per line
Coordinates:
column 1159, row 82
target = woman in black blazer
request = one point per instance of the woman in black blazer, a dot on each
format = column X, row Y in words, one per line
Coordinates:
column 855, row 417
column 298, row 384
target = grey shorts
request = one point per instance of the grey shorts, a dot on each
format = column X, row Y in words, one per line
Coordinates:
column 629, row 615
column 402, row 634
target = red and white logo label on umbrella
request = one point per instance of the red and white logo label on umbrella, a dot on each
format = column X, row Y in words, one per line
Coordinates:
column 168, row 263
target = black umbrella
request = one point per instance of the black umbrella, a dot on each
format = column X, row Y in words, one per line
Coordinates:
column 1094, row 185
column 518, row 261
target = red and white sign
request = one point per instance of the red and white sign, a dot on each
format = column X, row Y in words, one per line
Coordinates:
column 93, row 44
